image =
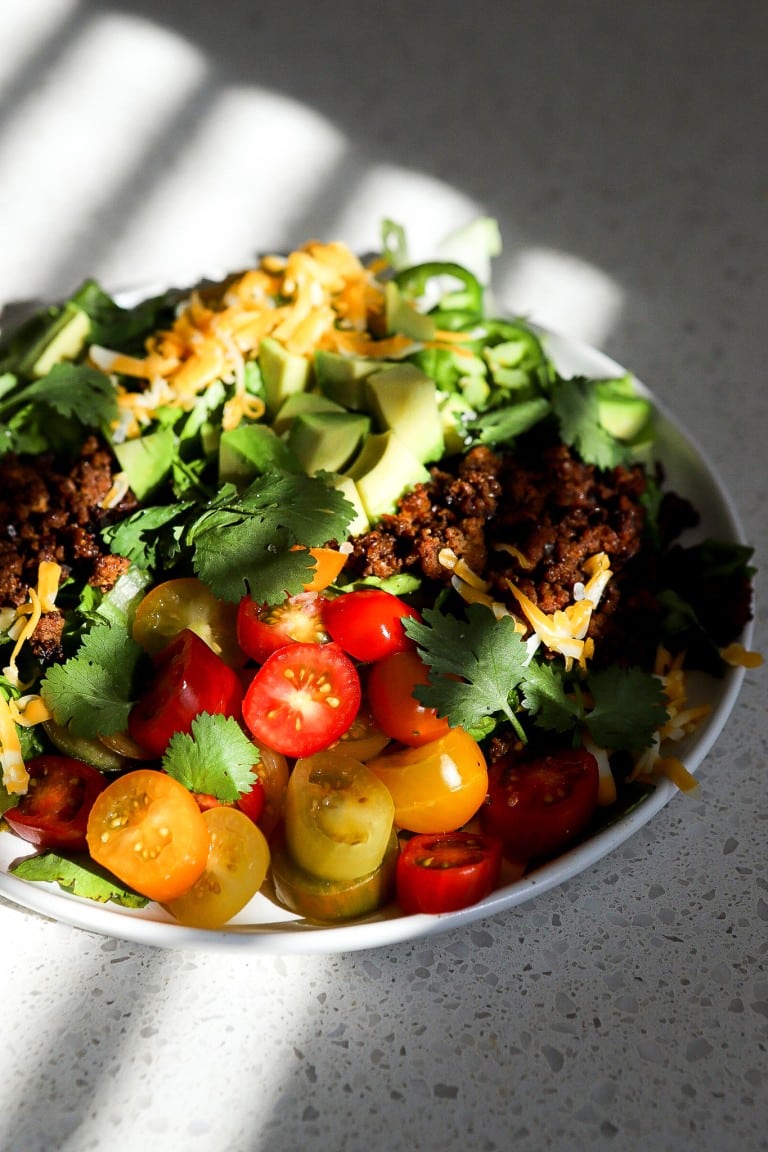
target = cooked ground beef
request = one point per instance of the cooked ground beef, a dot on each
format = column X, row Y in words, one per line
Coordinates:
column 50, row 513
column 556, row 512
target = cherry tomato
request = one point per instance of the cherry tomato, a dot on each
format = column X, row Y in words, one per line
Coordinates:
column 175, row 605
column 395, row 709
column 328, row 564
column 338, row 817
column 538, row 806
column 237, row 863
column 265, row 628
column 447, row 871
column 302, row 698
column 333, row 900
column 436, row 787
column 148, row 831
column 54, row 812
column 250, row 803
column 368, row 623
column 363, row 739
column 189, row 678
column 272, row 770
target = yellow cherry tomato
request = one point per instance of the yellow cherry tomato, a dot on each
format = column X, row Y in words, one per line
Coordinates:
column 186, row 602
column 436, row 787
column 238, row 859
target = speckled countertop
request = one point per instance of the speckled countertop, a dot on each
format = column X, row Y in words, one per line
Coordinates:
column 622, row 147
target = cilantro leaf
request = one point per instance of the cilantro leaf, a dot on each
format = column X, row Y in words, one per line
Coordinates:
column 79, row 876
column 249, row 537
column 575, row 404
column 73, row 390
column 216, row 758
column 545, row 697
column 92, row 691
column 150, row 537
column 628, row 707
column 476, row 664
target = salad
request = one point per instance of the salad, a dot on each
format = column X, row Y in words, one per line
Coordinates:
column 322, row 582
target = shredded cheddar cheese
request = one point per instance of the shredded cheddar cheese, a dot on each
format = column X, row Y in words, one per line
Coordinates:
column 321, row 296
column 740, row 657
column 565, row 631
column 28, row 710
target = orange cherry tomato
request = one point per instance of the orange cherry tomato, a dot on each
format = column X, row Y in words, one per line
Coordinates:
column 436, row 787
column 147, row 830
column 328, row 564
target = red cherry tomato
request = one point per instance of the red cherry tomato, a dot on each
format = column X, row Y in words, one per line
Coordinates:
column 303, row 698
column 539, row 806
column 54, row 812
column 368, row 623
column 250, row 803
column 394, row 708
column 446, row 871
column 189, row 678
column 264, row 628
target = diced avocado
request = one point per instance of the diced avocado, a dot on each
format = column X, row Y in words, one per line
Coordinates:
column 402, row 317
column 326, row 441
column 283, row 373
column 404, row 399
column 348, row 489
column 250, row 450
column 146, row 460
column 64, row 339
column 384, row 470
column 624, row 416
column 341, row 378
column 299, row 403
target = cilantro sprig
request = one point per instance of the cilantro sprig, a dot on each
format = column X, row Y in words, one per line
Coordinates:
column 215, row 757
column 93, row 691
column 255, row 540
column 482, row 674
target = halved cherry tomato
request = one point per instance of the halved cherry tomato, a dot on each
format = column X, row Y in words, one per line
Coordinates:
column 272, row 770
column 328, row 564
column 302, row 698
column 330, row 901
column 395, row 709
column 238, row 859
column 446, row 871
column 189, row 678
column 363, row 739
column 265, row 628
column 148, row 831
column 250, row 803
column 54, row 812
column 368, row 623
column 539, row 806
column 436, row 787
column 174, row 605
column 338, row 817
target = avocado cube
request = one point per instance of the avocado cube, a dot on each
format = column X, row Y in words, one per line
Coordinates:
column 404, row 400
column 385, row 469
column 326, row 441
